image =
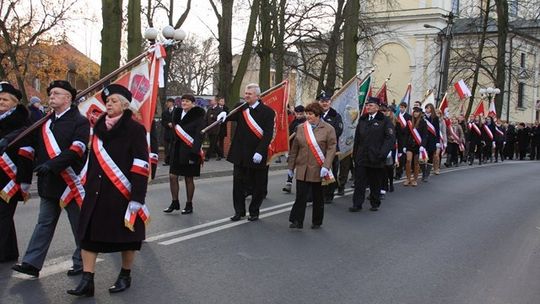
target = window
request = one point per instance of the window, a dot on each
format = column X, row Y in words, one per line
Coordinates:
column 455, row 7
column 522, row 61
column 513, row 8
column 521, row 94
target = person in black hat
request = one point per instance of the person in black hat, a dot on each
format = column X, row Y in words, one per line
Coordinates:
column 299, row 118
column 60, row 150
column 373, row 141
column 13, row 119
column 331, row 116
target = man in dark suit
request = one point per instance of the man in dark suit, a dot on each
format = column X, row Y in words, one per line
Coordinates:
column 222, row 127
column 60, row 146
column 249, row 152
column 166, row 124
column 373, row 140
column 213, row 134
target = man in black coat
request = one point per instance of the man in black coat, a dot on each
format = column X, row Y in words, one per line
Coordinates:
column 332, row 117
column 373, row 141
column 60, row 146
column 223, row 126
column 213, row 134
column 167, row 128
column 535, row 142
column 401, row 137
column 249, row 152
column 523, row 139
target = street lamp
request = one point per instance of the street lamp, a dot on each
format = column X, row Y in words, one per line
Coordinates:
column 151, row 34
column 491, row 92
column 168, row 32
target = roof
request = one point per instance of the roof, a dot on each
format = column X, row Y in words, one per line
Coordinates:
column 529, row 28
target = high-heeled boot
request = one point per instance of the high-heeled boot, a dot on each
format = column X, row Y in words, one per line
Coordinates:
column 123, row 281
column 188, row 209
column 85, row 287
column 175, row 205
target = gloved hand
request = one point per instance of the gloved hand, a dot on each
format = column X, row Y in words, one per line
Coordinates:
column 25, row 187
column 324, row 171
column 221, row 116
column 404, row 150
column 290, row 173
column 42, row 169
column 134, row 206
column 389, row 155
column 438, row 145
column 422, row 149
column 257, row 158
column 3, row 145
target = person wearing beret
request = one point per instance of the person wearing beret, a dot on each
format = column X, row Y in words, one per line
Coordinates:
column 60, row 153
column 415, row 143
column 186, row 156
column 311, row 167
column 374, row 140
column 113, row 214
column 16, row 169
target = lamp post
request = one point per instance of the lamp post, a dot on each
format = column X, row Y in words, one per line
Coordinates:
column 491, row 92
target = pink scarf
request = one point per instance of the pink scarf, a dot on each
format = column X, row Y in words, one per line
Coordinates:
column 111, row 121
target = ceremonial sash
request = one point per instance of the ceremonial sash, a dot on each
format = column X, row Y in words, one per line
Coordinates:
column 499, row 131
column 252, row 124
column 415, row 134
column 153, row 158
column 423, row 157
column 476, row 129
column 402, row 121
column 120, row 181
column 430, row 127
column 488, row 131
column 68, row 175
column 317, row 152
column 456, row 138
column 441, row 140
column 11, row 188
column 187, row 139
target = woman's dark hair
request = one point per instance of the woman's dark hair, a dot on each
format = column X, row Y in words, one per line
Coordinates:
column 314, row 108
column 189, row 97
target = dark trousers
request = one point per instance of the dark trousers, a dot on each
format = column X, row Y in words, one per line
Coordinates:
column 214, row 147
column 328, row 190
column 387, row 177
column 345, row 165
column 475, row 150
column 509, row 150
column 8, row 237
column 535, row 151
column 522, row 152
column 487, row 151
column 364, row 176
column 452, row 150
column 298, row 211
column 246, row 180
column 499, row 146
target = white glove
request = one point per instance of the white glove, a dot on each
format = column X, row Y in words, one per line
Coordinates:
column 257, row 158
column 25, row 187
column 221, row 116
column 504, row 143
column 389, row 155
column 134, row 206
column 404, row 150
column 324, row 171
column 438, row 145
column 290, row 173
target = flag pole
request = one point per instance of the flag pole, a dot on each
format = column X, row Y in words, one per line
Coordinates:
column 365, row 78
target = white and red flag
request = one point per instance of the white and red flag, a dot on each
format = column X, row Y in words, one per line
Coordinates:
column 480, row 110
column 443, row 106
column 462, row 89
column 429, row 99
column 407, row 97
column 492, row 111
column 277, row 98
column 382, row 94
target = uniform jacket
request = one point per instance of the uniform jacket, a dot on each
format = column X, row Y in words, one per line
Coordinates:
column 211, row 117
column 103, row 201
column 70, row 127
column 193, row 122
column 373, row 140
column 166, row 118
column 432, row 140
column 15, row 122
column 244, row 143
column 302, row 159
column 335, row 120
column 402, row 132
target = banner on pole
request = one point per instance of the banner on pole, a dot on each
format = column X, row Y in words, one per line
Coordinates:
column 345, row 102
column 277, row 99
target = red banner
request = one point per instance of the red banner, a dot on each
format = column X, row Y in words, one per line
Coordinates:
column 277, row 99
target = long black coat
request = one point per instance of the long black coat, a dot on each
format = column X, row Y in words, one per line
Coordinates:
column 103, row 209
column 192, row 123
column 432, row 140
column 15, row 122
column 410, row 143
column 72, row 126
column 402, row 132
column 373, row 140
column 245, row 144
column 166, row 118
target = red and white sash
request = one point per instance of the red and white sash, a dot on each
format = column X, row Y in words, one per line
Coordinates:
column 68, row 175
column 154, row 158
column 499, row 131
column 10, row 169
column 415, row 134
column 402, row 121
column 316, row 150
column 475, row 128
column 430, row 127
column 187, row 139
column 120, row 181
column 252, row 124
column 488, row 131
column 456, row 138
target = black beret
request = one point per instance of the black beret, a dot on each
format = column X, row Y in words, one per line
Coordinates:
column 373, row 100
column 189, row 97
column 63, row 84
column 417, row 109
column 115, row 89
column 8, row 88
column 323, row 96
column 299, row 109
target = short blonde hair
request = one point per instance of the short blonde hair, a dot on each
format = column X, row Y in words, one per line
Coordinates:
column 255, row 87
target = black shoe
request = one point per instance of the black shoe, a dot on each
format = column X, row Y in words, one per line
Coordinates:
column 373, row 209
column 26, row 269
column 354, row 209
column 296, row 225
column 236, row 217
column 85, row 287
column 341, row 191
column 218, row 158
column 391, row 188
column 188, row 209
column 74, row 271
column 175, row 205
column 315, row 226
column 253, row 218
column 121, row 284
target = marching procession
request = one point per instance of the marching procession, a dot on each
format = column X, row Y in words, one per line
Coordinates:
column 99, row 171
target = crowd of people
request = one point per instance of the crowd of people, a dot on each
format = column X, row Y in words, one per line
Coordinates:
column 100, row 178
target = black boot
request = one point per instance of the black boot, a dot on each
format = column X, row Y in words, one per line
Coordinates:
column 188, row 209
column 85, row 287
column 123, row 281
column 175, row 205
column 391, row 187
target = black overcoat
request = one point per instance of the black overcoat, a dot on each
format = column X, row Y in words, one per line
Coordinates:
column 192, row 123
column 104, row 206
column 402, row 132
column 211, row 117
column 166, row 118
column 432, row 140
column 373, row 140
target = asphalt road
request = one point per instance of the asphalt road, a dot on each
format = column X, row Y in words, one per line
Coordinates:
column 470, row 235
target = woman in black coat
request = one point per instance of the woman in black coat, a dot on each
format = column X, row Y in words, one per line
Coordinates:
column 18, row 158
column 186, row 156
column 412, row 148
column 113, row 213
